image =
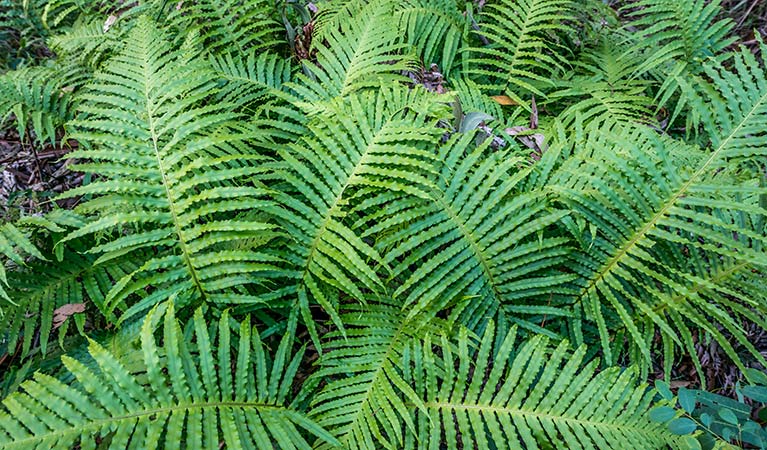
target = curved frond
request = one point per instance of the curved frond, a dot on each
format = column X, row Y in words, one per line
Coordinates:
column 167, row 178
column 376, row 140
column 365, row 397
column 675, row 38
column 607, row 89
column 201, row 390
column 72, row 283
column 521, row 54
column 473, row 235
column 231, row 26
column 541, row 396
column 655, row 204
column 364, row 51
column 436, row 28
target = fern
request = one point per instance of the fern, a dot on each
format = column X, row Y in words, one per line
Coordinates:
column 644, row 228
column 521, row 54
column 364, row 52
column 473, row 234
column 203, row 391
column 41, row 100
column 432, row 238
column 229, row 25
column 349, row 151
column 153, row 177
column 74, row 281
column 677, row 37
column 364, row 366
column 542, row 396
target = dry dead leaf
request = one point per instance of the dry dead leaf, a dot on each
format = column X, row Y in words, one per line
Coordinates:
column 63, row 312
column 503, row 100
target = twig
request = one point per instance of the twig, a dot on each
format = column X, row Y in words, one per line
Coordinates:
column 748, row 11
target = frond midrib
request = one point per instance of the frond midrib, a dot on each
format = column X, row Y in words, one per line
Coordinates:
column 639, row 235
column 96, row 425
column 165, row 183
column 336, row 203
column 378, row 371
column 476, row 249
column 641, row 428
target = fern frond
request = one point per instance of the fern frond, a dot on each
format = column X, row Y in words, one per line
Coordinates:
column 366, row 394
column 363, row 52
column 231, row 26
column 606, row 90
column 40, row 99
column 201, row 390
column 675, row 39
column 541, row 396
column 377, row 140
column 436, row 28
column 15, row 247
column 521, row 54
column 475, row 235
column 258, row 85
column 175, row 167
column 654, row 201
column 87, row 42
column 73, row 281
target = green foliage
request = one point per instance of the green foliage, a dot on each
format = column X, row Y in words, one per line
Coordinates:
column 428, row 199
column 201, row 389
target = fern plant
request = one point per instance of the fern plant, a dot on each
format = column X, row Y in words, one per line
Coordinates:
column 379, row 224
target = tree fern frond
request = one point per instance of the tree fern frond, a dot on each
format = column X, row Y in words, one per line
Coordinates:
column 175, row 167
column 483, row 397
column 202, row 391
column 521, row 54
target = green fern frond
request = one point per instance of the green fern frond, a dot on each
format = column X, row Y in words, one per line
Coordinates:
column 40, row 99
column 676, row 37
column 73, row 281
column 377, row 140
column 521, row 54
column 651, row 208
column 363, row 52
column 437, row 28
column 166, row 180
column 258, row 84
column 473, row 235
column 201, row 390
column 231, row 26
column 87, row 43
column 364, row 365
column 15, row 247
column 541, row 397
column 606, row 90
